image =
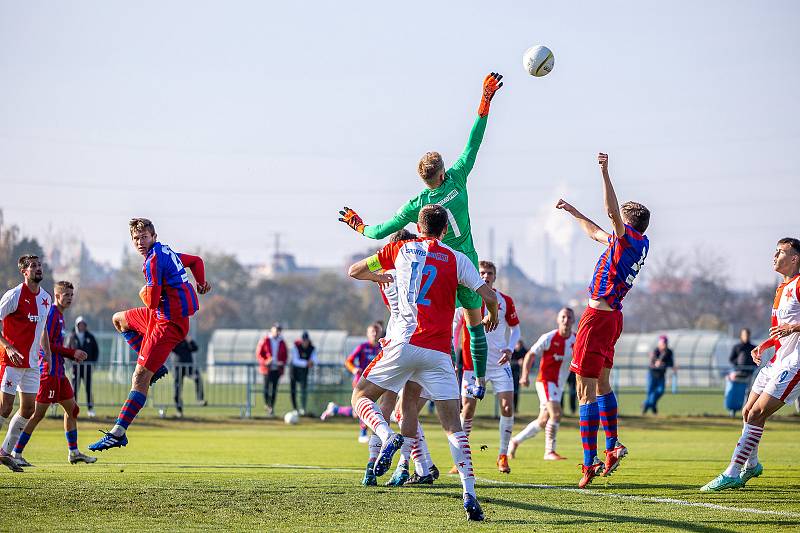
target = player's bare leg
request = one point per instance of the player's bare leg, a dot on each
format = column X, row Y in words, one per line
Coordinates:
column 134, row 340
column 39, row 412
column 363, row 401
column 530, row 431
column 462, row 455
column 506, row 428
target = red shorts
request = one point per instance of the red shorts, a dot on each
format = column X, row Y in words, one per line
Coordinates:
column 54, row 389
column 598, row 332
column 159, row 336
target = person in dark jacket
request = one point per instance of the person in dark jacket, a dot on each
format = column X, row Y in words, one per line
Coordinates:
column 303, row 358
column 741, row 360
column 516, row 368
column 81, row 339
column 272, row 356
column 660, row 360
column 185, row 368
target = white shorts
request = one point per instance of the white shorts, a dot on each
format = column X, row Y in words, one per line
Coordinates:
column 548, row 392
column 780, row 380
column 500, row 377
column 24, row 380
column 401, row 362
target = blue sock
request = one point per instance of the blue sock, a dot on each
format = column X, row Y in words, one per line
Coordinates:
column 21, row 442
column 134, row 339
column 72, row 440
column 590, row 422
column 608, row 417
column 130, row 409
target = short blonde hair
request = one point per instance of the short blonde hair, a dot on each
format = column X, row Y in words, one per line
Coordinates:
column 141, row 224
column 430, row 165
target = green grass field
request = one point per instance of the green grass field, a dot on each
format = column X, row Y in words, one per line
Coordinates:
column 225, row 473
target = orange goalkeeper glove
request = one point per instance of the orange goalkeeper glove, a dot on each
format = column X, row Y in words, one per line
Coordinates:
column 352, row 219
column 491, row 84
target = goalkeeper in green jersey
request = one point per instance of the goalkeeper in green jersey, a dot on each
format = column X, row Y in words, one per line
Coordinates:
column 448, row 188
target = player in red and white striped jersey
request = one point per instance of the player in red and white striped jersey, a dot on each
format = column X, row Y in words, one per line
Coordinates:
column 498, row 368
column 23, row 313
column 778, row 383
column 417, row 352
column 554, row 349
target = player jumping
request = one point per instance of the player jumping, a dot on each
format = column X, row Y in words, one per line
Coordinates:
column 416, row 353
column 54, row 386
column 778, row 383
column 154, row 330
column 601, row 323
column 498, row 368
column 554, row 349
column 448, row 189
column 23, row 313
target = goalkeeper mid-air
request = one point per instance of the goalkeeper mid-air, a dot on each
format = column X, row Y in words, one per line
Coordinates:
column 448, row 188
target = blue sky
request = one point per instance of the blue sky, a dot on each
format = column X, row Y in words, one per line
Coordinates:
column 226, row 122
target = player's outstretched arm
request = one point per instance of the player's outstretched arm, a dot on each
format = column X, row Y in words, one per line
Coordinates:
column 378, row 231
column 590, row 228
column 610, row 197
column 464, row 164
column 492, row 318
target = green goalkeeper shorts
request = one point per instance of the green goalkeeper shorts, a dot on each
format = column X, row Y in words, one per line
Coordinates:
column 466, row 298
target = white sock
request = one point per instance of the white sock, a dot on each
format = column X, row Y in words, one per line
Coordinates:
column 550, row 431
column 369, row 413
column 374, row 447
column 2, row 422
column 462, row 457
column 748, row 442
column 420, row 454
column 405, row 451
column 15, row 427
column 466, row 423
column 752, row 461
column 506, row 428
column 530, row 431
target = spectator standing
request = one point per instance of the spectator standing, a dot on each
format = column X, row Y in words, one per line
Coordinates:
column 742, row 369
column 516, row 368
column 185, row 368
column 572, row 392
column 660, row 360
column 80, row 338
column 272, row 356
column 304, row 357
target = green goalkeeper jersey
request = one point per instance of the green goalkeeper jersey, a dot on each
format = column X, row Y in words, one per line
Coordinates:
column 451, row 194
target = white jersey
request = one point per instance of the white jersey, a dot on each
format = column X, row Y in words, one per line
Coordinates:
column 502, row 338
column 427, row 275
column 786, row 310
column 24, row 316
column 390, row 296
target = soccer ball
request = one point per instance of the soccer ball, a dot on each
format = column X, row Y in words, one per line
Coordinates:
column 291, row 418
column 538, row 61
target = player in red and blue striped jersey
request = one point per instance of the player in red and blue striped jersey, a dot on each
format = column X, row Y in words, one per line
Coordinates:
column 601, row 323
column 154, row 330
column 54, row 386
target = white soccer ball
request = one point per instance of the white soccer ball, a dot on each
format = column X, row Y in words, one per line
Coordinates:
column 538, row 61
column 291, row 418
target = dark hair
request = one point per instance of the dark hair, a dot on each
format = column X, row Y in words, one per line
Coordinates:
column 26, row 260
column 432, row 220
column 792, row 242
column 635, row 215
column 402, row 235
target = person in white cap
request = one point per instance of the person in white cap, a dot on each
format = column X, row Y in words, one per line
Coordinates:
column 81, row 339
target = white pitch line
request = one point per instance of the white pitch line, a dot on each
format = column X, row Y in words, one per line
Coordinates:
column 652, row 499
column 614, row 495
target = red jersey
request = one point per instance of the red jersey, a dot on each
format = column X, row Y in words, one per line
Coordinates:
column 23, row 315
column 427, row 274
column 55, row 334
column 555, row 353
